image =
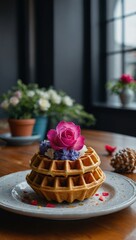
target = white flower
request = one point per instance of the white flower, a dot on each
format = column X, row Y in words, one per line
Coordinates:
column 54, row 96
column 14, row 100
column 18, row 94
column 40, row 93
column 30, row 93
column 50, row 153
column 5, row 104
column 68, row 101
column 44, row 104
column 82, row 151
column 44, row 94
column 51, row 92
column 56, row 99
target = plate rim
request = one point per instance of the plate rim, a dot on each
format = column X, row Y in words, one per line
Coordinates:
column 68, row 215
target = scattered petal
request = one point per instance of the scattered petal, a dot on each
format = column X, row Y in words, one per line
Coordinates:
column 101, row 198
column 110, row 149
column 105, row 194
column 50, row 205
column 34, row 202
column 96, row 194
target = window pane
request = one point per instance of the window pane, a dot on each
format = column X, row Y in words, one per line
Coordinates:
column 114, row 35
column 113, row 99
column 114, row 9
column 129, row 6
column 130, row 63
column 114, row 69
column 130, row 32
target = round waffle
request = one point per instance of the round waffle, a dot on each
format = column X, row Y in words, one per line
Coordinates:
column 69, row 188
column 88, row 162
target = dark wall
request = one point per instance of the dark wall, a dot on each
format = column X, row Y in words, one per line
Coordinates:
column 8, row 44
column 44, row 32
column 42, row 41
column 68, row 47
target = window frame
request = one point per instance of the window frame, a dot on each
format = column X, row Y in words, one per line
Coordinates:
column 98, row 52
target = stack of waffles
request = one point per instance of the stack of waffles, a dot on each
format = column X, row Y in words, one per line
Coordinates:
column 66, row 180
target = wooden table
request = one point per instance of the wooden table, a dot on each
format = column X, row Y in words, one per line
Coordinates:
column 120, row 225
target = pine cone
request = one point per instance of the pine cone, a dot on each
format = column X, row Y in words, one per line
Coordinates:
column 124, row 161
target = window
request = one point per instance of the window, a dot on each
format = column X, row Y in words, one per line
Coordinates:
column 121, row 40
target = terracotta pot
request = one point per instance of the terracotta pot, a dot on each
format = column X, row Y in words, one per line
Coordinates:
column 21, row 127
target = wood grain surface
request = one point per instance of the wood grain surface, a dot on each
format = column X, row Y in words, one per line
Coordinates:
column 116, row 226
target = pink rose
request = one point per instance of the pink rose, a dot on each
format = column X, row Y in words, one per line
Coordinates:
column 66, row 136
column 126, row 78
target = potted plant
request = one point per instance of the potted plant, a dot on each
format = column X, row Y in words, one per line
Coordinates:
column 30, row 101
column 18, row 104
column 125, row 87
column 63, row 107
column 41, row 110
column 53, row 106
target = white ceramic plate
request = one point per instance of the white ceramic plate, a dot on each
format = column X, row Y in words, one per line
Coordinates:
column 16, row 195
column 19, row 140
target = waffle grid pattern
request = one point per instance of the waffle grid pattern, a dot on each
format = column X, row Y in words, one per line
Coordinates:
column 67, row 189
column 66, row 180
column 84, row 164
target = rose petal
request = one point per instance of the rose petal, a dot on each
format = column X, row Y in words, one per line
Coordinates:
column 66, row 136
column 110, row 149
column 51, row 134
column 34, row 202
column 79, row 143
column 101, row 198
column 68, row 125
column 105, row 194
column 96, row 194
column 63, row 125
column 50, row 205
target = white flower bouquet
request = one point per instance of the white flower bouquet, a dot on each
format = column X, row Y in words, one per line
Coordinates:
column 26, row 101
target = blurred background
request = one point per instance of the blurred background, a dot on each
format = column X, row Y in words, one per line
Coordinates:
column 76, row 46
